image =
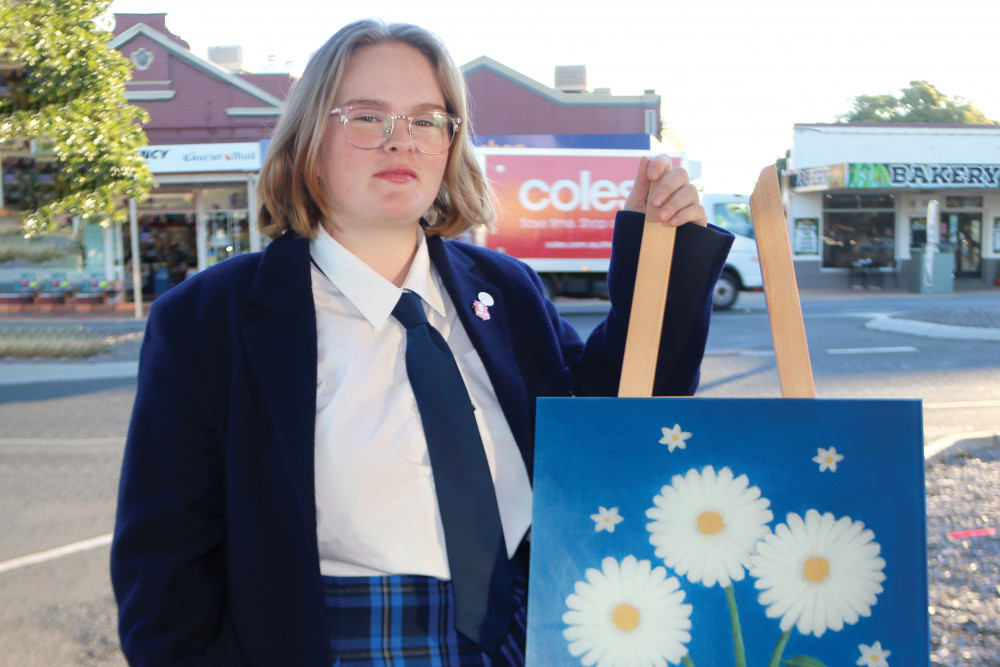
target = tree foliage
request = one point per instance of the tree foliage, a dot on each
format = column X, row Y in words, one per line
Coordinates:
column 69, row 95
column 920, row 103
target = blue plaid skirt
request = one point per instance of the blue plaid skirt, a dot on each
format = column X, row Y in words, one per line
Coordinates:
column 409, row 621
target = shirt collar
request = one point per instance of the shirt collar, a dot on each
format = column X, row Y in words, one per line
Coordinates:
column 371, row 294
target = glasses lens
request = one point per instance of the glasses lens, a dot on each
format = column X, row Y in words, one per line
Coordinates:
column 370, row 128
column 432, row 132
column 366, row 128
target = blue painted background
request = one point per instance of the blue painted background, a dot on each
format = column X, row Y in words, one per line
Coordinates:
column 593, row 452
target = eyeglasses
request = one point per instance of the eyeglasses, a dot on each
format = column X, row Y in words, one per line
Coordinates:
column 431, row 132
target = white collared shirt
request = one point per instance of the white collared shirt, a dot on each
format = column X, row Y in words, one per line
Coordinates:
column 376, row 508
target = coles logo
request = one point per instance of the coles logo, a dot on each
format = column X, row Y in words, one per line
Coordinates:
column 558, row 206
column 582, row 193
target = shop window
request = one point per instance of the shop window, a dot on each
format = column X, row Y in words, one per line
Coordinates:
column 918, row 232
column 228, row 235
column 167, row 249
column 853, row 237
column 853, row 202
column 963, row 202
column 735, row 217
column 163, row 201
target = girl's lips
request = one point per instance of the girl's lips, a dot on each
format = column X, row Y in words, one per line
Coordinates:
column 397, row 175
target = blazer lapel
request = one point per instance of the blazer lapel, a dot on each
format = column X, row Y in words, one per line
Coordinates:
column 281, row 344
column 490, row 337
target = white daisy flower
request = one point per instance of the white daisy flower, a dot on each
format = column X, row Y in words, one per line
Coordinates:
column 818, row 573
column 627, row 613
column 674, row 438
column 606, row 519
column 827, row 459
column 705, row 525
column 874, row 655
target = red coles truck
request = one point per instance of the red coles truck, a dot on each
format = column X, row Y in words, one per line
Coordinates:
column 556, row 211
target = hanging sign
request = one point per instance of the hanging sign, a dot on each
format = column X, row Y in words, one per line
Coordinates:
column 188, row 158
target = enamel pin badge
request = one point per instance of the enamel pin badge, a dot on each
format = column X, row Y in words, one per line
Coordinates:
column 482, row 304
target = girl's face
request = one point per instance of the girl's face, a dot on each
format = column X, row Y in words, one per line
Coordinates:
column 392, row 186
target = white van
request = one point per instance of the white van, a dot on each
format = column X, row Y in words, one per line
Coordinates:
column 742, row 270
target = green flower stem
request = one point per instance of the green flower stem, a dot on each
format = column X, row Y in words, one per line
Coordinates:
column 687, row 661
column 779, row 649
column 734, row 619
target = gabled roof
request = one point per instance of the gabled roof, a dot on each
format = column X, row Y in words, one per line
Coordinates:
column 553, row 95
column 269, row 101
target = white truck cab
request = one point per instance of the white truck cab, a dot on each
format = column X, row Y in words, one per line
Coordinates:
column 742, row 270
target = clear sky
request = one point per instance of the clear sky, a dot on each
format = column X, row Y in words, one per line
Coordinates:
column 734, row 75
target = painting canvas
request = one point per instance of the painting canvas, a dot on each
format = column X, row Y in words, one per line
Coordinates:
column 728, row 532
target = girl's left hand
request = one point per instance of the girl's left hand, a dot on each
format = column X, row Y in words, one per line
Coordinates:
column 667, row 191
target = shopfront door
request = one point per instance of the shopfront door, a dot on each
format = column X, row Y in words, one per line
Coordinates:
column 962, row 233
column 228, row 235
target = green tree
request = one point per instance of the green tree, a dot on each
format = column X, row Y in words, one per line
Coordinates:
column 781, row 164
column 68, row 94
column 920, row 103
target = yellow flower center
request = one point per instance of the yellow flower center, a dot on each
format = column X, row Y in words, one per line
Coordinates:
column 816, row 569
column 710, row 523
column 625, row 617
column 829, row 459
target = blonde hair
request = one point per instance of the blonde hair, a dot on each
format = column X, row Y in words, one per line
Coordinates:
column 290, row 192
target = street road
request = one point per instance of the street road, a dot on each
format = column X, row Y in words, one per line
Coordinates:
column 61, row 443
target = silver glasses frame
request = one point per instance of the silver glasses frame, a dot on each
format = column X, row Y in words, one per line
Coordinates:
column 342, row 111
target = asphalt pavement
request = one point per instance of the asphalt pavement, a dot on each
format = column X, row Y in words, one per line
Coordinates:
column 933, row 319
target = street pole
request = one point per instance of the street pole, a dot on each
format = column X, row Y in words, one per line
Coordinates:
column 933, row 235
column 133, row 220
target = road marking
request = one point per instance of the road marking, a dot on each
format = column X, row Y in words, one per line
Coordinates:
column 58, row 552
column 739, row 353
column 962, row 404
column 60, row 442
column 871, row 350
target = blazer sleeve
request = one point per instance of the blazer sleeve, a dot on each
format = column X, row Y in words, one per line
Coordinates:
column 171, row 592
column 699, row 257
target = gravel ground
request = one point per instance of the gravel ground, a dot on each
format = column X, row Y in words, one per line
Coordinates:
column 965, row 317
column 963, row 493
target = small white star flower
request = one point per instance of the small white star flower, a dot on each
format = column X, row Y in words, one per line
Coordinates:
column 606, row 519
column 873, row 656
column 674, row 438
column 828, row 459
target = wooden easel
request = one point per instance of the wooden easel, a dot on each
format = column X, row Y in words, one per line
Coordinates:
column 780, row 290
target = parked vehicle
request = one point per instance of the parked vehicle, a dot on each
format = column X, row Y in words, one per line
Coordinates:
column 742, row 270
column 556, row 212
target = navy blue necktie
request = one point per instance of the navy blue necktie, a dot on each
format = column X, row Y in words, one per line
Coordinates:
column 481, row 575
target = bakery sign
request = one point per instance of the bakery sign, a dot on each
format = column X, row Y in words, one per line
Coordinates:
column 910, row 175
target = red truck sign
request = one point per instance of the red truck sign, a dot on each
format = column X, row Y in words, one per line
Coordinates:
column 559, row 205
column 556, row 212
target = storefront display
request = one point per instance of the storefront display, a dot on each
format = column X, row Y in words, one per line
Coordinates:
column 867, row 188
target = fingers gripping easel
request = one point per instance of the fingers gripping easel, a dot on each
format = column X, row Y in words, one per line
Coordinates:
column 780, row 290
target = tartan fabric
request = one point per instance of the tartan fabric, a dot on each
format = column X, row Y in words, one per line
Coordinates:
column 408, row 621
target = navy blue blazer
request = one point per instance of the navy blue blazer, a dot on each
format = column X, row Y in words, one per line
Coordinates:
column 215, row 559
